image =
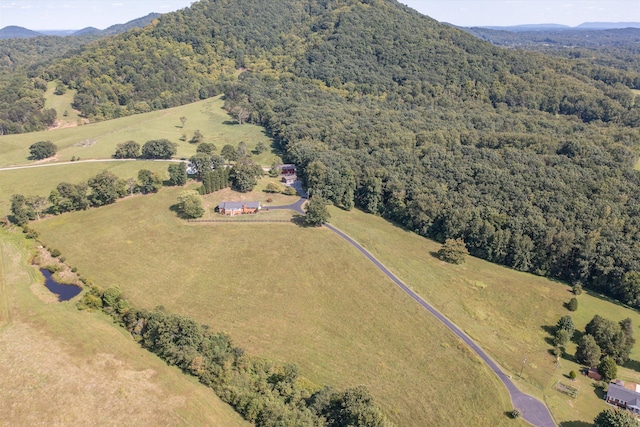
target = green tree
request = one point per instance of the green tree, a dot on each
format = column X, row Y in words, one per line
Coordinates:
column 21, row 212
column 229, row 153
column 576, row 289
column 42, row 150
column 317, row 213
column 261, row 147
column 561, row 338
column 608, row 369
column 244, row 175
column 453, row 251
column 566, row 323
column 61, row 89
column 573, row 375
column 127, row 150
column 614, row 339
column 206, row 148
column 190, row 204
column 588, row 352
column 572, row 305
column 613, row 417
column 178, row 173
column 149, row 182
column 159, row 149
column 106, row 188
column 630, row 288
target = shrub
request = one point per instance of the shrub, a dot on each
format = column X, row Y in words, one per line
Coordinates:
column 577, row 289
column 53, row 268
column 74, row 270
column 573, row 304
column 62, row 259
column 55, row 253
column 573, row 375
column 516, row 413
column 290, row 191
column 269, row 200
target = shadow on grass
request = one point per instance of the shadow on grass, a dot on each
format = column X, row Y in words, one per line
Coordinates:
column 633, row 364
column 231, row 122
column 298, row 220
column 599, row 391
column 177, row 211
column 575, row 424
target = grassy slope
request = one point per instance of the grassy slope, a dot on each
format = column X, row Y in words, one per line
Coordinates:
column 61, row 366
column 504, row 310
column 41, row 180
column 61, row 103
column 207, row 116
column 290, row 294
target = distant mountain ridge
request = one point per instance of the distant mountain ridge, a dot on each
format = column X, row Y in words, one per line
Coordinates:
column 560, row 27
column 15, row 32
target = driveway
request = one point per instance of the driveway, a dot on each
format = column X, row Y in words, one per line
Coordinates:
column 533, row 411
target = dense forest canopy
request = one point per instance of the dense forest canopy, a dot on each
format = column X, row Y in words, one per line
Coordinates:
column 526, row 157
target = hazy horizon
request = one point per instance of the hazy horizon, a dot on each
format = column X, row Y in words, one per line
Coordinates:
column 39, row 15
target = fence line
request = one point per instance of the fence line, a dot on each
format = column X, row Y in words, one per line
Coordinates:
column 240, row 220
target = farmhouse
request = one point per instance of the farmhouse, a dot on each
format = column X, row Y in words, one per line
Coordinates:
column 288, row 169
column 238, row 208
column 624, row 397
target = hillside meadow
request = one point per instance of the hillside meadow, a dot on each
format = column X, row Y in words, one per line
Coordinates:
column 290, row 294
column 509, row 313
column 99, row 140
column 61, row 366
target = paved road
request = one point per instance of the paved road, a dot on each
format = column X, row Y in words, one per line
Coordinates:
column 534, row 411
column 42, row 165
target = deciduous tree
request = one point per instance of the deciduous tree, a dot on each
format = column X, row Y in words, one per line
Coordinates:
column 42, row 150
column 453, row 251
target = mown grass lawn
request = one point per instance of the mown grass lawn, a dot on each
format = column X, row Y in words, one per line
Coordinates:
column 99, row 140
column 507, row 312
column 291, row 294
column 62, row 105
column 61, row 366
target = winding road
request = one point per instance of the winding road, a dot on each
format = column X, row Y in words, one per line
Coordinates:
column 533, row 411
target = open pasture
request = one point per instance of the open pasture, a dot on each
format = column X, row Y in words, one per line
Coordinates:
column 41, row 180
column 61, row 366
column 99, row 140
column 509, row 313
column 291, row 294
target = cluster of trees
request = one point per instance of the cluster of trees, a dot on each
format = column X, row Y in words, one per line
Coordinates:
column 153, row 149
column 42, row 149
column 22, row 104
column 263, row 392
column 613, row 417
column 605, row 340
column 103, row 189
column 215, row 180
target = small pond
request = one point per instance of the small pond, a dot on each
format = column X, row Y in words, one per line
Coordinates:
column 64, row 292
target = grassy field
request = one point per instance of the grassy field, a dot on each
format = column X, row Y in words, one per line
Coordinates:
column 506, row 311
column 291, row 294
column 99, row 140
column 41, row 180
column 61, row 366
column 62, row 104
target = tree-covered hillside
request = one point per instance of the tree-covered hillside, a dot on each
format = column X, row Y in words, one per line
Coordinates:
column 527, row 158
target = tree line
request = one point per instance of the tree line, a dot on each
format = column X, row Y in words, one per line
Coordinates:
column 264, row 392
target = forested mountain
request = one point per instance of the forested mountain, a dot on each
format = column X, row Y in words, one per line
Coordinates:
column 528, row 158
column 13, row 31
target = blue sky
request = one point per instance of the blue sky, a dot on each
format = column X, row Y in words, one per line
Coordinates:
column 77, row 14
